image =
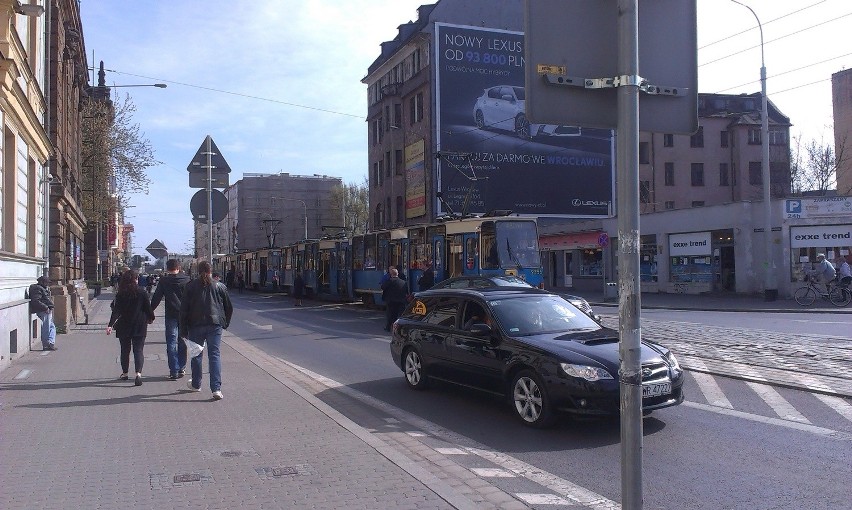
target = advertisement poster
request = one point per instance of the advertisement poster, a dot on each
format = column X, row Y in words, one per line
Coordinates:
column 490, row 157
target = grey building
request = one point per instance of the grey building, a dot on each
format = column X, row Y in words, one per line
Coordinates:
column 266, row 210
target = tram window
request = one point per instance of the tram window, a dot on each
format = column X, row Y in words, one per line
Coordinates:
column 517, row 242
column 488, row 237
column 358, row 253
column 370, row 252
column 456, row 261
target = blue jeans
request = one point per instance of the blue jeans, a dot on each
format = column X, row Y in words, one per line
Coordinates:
column 175, row 347
column 48, row 328
column 211, row 335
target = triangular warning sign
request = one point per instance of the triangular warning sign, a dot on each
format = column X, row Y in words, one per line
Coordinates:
column 217, row 161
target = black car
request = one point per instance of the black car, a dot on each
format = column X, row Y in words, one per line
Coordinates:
column 482, row 282
column 533, row 347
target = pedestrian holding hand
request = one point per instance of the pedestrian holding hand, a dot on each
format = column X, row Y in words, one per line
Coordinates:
column 131, row 314
column 170, row 290
column 205, row 312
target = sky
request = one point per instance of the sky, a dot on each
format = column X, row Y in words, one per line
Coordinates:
column 277, row 83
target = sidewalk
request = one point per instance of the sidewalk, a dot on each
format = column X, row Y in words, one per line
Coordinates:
column 73, row 436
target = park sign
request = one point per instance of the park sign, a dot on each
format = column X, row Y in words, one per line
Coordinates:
column 198, row 167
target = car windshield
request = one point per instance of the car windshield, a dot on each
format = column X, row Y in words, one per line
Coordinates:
column 519, row 93
column 538, row 314
column 517, row 242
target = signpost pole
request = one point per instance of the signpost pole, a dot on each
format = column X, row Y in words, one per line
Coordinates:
column 627, row 154
column 209, row 199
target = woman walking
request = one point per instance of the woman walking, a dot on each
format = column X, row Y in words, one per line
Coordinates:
column 204, row 312
column 131, row 314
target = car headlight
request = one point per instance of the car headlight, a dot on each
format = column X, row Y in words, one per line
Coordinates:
column 673, row 362
column 586, row 372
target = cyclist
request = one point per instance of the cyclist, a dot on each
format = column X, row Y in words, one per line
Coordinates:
column 824, row 271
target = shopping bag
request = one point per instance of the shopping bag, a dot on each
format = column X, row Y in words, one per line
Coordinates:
column 192, row 348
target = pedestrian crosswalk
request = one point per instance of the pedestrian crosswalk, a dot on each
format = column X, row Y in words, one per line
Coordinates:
column 776, row 402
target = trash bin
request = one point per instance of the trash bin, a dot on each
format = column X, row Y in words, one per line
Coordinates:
column 97, row 288
column 610, row 291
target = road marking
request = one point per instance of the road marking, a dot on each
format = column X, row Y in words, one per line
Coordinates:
column 804, row 427
column 266, row 327
column 838, row 404
column 778, row 403
column 707, row 385
column 541, row 499
column 23, row 374
column 450, row 451
column 492, row 473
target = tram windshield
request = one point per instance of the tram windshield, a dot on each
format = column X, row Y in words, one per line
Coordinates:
column 515, row 244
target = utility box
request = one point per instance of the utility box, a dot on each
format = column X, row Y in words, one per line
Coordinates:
column 610, row 291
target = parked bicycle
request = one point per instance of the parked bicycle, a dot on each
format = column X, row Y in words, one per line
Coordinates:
column 838, row 295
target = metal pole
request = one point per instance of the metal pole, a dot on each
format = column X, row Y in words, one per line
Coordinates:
column 627, row 151
column 770, row 289
column 209, row 199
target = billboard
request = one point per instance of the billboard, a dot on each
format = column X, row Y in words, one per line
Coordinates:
column 489, row 156
column 415, row 178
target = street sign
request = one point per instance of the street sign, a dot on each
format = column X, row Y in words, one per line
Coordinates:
column 219, row 168
column 198, row 206
column 603, row 240
column 571, row 51
column 198, row 179
column 157, row 249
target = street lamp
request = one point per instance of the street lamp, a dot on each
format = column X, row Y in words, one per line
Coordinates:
column 305, row 205
column 770, row 292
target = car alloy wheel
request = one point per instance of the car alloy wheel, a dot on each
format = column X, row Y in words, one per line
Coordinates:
column 530, row 400
column 480, row 120
column 522, row 127
column 414, row 374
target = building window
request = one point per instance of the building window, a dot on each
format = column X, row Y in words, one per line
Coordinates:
column 415, row 106
column 389, row 210
column 376, row 173
column 648, row 258
column 754, row 136
column 644, row 158
column 22, row 207
column 698, row 174
column 697, row 140
column 400, row 211
column 698, row 203
column 777, row 138
column 388, row 169
column 669, row 204
column 415, row 61
column 381, row 178
column 668, row 140
column 669, row 178
column 755, row 175
column 723, row 174
column 645, row 192
column 723, row 138
column 397, row 115
column 398, row 166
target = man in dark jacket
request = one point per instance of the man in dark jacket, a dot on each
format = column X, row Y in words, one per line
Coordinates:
column 170, row 288
column 427, row 279
column 41, row 304
column 205, row 311
column 395, row 294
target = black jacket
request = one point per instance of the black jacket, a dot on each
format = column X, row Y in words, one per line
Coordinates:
column 203, row 306
column 395, row 291
column 426, row 280
column 170, row 287
column 40, row 300
column 131, row 314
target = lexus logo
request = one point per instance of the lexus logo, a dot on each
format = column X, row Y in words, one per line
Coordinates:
column 576, row 202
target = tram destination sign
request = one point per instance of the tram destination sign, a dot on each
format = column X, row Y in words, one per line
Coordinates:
column 490, row 156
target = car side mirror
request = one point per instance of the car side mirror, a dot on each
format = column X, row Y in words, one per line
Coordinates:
column 480, row 329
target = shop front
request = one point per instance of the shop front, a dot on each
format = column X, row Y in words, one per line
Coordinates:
column 575, row 260
column 806, row 241
column 702, row 262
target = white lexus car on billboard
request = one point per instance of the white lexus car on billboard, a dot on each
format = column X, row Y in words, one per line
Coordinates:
column 502, row 107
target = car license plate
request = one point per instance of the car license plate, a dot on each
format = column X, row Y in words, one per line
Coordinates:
column 656, row 389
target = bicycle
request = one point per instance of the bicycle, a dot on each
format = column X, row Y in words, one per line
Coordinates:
column 839, row 294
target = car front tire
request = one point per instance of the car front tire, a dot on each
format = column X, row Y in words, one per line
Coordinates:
column 522, row 127
column 415, row 374
column 530, row 401
column 480, row 120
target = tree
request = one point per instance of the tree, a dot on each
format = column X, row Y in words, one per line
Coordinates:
column 817, row 166
column 354, row 200
column 115, row 156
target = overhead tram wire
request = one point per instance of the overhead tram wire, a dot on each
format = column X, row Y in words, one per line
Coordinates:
column 249, row 96
column 777, row 39
column 786, row 72
column 768, row 22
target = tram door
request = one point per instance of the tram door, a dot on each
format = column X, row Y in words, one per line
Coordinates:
column 343, row 274
column 471, row 254
column 439, row 257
